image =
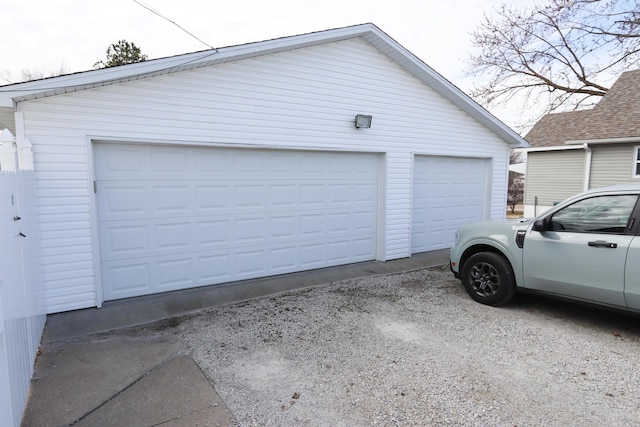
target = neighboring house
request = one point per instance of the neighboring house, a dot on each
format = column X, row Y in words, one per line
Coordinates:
column 247, row 161
column 579, row 150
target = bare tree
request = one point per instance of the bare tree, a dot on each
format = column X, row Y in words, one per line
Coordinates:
column 515, row 190
column 515, row 157
column 565, row 49
column 40, row 73
column 34, row 74
column 515, row 194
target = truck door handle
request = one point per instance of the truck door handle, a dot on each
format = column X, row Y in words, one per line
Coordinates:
column 601, row 244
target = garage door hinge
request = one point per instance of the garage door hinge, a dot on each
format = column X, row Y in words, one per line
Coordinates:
column 95, row 188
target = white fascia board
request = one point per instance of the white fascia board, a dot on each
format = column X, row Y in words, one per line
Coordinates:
column 11, row 94
column 444, row 87
column 554, row 148
column 632, row 139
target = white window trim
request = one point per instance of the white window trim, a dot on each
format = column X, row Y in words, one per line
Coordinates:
column 636, row 162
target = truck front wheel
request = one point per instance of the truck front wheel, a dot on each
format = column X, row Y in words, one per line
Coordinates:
column 488, row 278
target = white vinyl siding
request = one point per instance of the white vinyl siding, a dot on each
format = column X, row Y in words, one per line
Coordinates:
column 613, row 164
column 398, row 205
column 553, row 176
column 304, row 99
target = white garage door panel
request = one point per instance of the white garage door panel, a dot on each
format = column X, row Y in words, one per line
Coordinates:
column 173, row 217
column 447, row 192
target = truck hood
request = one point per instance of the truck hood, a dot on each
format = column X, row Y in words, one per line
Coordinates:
column 505, row 224
column 502, row 231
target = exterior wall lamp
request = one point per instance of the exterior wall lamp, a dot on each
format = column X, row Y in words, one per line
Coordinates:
column 363, row 121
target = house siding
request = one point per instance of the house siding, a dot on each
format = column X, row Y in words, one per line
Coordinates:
column 301, row 99
column 612, row 164
column 554, row 176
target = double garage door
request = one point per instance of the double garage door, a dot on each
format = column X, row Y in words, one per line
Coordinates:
column 179, row 217
column 447, row 192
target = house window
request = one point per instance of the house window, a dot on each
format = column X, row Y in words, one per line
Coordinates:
column 636, row 163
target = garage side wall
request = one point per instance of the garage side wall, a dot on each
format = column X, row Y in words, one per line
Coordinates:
column 304, row 99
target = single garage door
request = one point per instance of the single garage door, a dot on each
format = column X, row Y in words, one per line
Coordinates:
column 447, row 192
column 179, row 217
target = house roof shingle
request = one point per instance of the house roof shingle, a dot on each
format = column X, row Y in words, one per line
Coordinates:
column 617, row 115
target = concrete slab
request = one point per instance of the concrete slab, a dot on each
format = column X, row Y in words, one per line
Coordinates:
column 106, row 380
column 73, row 378
column 151, row 308
column 175, row 393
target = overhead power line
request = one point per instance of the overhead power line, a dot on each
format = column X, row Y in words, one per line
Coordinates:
column 150, row 9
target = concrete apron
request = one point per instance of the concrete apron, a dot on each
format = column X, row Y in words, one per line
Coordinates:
column 86, row 376
column 121, row 381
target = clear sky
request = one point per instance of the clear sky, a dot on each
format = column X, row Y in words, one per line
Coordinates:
column 47, row 34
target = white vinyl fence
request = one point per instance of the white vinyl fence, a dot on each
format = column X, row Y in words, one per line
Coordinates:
column 22, row 309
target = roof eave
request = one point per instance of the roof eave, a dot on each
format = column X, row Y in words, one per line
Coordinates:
column 625, row 140
column 551, row 148
column 415, row 66
column 369, row 32
column 11, row 94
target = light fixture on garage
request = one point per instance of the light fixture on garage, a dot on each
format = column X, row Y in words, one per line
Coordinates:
column 363, row 121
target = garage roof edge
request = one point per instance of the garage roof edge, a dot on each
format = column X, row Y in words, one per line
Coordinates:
column 10, row 95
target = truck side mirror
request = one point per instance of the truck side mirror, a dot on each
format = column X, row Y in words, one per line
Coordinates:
column 540, row 225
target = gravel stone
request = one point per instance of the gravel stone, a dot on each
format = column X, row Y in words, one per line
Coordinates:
column 413, row 349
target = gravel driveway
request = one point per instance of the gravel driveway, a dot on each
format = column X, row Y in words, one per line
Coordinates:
column 413, row 349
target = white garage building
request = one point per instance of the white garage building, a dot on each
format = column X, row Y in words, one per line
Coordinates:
column 245, row 161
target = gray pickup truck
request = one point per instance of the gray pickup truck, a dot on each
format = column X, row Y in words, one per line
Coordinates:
column 586, row 248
